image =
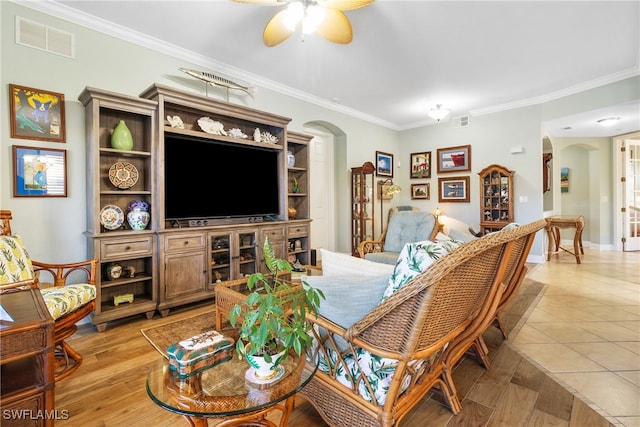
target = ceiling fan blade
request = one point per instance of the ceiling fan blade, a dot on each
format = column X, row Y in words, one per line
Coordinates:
column 343, row 4
column 335, row 27
column 276, row 31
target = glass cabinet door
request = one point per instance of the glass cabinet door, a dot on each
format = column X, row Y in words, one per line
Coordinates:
column 496, row 201
column 362, row 212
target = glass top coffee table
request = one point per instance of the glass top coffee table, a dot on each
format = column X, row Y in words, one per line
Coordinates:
column 224, row 391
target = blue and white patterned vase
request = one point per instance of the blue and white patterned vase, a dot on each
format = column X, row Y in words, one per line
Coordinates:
column 138, row 216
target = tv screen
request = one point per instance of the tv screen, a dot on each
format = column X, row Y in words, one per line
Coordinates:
column 212, row 179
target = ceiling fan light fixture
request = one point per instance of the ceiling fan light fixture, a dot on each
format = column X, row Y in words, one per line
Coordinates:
column 438, row 113
column 609, row 121
column 313, row 16
column 295, row 14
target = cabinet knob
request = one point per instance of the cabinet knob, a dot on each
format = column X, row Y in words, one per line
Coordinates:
column 127, row 248
column 186, row 242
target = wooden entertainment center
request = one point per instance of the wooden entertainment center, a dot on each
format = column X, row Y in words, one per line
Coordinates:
column 176, row 262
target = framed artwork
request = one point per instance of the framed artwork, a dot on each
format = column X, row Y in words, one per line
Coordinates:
column 39, row 172
column 420, row 191
column 454, row 159
column 384, row 164
column 564, row 180
column 36, row 114
column 420, row 165
column 454, row 189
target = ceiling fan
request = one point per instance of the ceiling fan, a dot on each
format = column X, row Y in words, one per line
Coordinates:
column 324, row 17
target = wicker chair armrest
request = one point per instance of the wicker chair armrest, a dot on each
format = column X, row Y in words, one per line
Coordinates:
column 370, row 246
column 60, row 272
column 372, row 346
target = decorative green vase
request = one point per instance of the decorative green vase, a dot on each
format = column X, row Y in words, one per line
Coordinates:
column 121, row 138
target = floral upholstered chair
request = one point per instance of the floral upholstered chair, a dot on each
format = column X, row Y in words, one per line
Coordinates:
column 67, row 303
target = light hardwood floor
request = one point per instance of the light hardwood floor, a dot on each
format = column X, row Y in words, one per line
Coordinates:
column 109, row 390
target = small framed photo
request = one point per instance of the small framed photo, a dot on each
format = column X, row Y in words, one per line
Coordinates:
column 36, row 114
column 420, row 165
column 384, row 164
column 420, row 191
column 454, row 189
column 454, row 159
column 39, row 172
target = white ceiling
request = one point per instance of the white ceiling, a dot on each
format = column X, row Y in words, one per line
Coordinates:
column 474, row 57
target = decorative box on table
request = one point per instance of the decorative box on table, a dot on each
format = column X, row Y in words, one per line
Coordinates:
column 200, row 352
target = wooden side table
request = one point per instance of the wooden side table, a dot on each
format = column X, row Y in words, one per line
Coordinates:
column 554, row 224
column 26, row 359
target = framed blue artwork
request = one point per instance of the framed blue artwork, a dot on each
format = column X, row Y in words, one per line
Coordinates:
column 384, row 164
column 39, row 172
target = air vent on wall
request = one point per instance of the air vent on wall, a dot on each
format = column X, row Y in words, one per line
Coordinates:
column 460, row 122
column 38, row 36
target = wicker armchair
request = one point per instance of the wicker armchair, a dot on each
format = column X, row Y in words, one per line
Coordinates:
column 414, row 338
column 405, row 224
column 67, row 304
column 514, row 276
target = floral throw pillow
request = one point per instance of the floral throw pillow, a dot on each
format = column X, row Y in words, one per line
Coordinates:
column 414, row 259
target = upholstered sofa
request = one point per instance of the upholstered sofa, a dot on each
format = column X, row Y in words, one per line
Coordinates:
column 387, row 335
column 403, row 226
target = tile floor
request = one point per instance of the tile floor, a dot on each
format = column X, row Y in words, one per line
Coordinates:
column 585, row 330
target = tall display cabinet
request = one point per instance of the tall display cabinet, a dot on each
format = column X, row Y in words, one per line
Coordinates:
column 496, row 198
column 170, row 263
column 115, row 178
column 362, row 216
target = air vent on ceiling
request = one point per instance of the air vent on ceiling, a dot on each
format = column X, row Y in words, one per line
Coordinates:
column 38, row 36
column 460, row 122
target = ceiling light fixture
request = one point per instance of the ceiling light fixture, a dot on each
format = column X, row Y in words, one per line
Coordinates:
column 438, row 113
column 309, row 15
column 323, row 17
column 609, row 121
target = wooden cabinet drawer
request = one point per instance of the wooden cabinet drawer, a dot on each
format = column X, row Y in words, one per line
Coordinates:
column 128, row 248
column 301, row 230
column 184, row 242
column 273, row 233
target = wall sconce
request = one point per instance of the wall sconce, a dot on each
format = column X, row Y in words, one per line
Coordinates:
column 386, row 190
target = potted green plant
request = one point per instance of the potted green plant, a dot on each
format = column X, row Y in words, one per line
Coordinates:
column 272, row 320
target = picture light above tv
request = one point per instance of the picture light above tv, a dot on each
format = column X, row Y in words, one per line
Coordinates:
column 212, row 180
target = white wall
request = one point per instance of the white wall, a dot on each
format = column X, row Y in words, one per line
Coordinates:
column 590, row 186
column 491, row 136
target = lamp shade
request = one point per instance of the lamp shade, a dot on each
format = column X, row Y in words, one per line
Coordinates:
column 392, row 189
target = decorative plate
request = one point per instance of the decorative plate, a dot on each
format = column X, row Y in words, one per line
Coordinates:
column 123, row 175
column 111, row 217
